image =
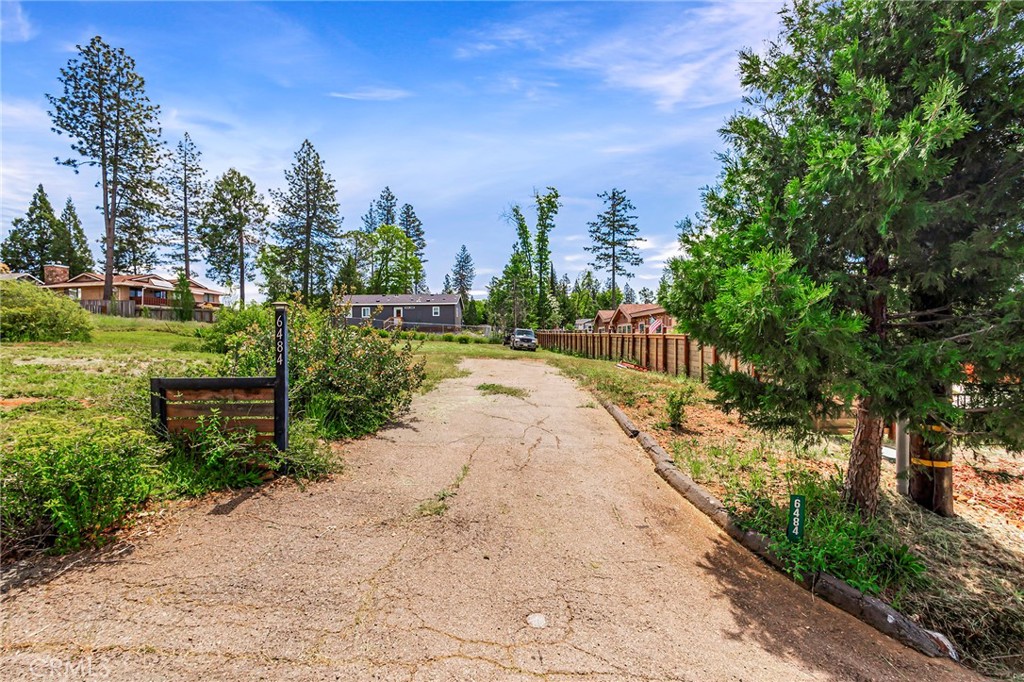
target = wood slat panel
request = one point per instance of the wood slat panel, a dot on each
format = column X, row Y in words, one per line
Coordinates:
column 192, row 394
column 235, row 424
column 179, row 410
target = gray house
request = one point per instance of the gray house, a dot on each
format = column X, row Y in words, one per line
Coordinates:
column 420, row 312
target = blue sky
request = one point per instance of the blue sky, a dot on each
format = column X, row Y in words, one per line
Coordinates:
column 461, row 108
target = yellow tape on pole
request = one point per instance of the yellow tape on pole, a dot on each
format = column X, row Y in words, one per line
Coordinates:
column 931, row 463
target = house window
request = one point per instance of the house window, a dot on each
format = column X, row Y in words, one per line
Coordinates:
column 207, row 298
column 135, row 293
column 436, row 311
column 366, row 313
column 75, row 293
column 160, row 294
column 398, row 312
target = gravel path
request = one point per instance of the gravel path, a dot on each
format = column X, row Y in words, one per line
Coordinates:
column 560, row 556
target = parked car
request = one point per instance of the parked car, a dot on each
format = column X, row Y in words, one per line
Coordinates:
column 524, row 338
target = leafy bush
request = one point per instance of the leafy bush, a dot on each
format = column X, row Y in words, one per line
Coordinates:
column 70, row 489
column 31, row 313
column 349, row 382
column 463, row 339
column 676, row 402
column 232, row 323
column 448, row 337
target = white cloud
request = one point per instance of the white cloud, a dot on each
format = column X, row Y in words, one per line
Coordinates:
column 681, row 58
column 15, row 26
column 373, row 94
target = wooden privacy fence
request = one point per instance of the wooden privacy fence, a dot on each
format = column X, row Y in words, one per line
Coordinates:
column 259, row 404
column 668, row 353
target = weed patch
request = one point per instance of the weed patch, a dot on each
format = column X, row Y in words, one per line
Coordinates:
column 438, row 505
column 501, row 389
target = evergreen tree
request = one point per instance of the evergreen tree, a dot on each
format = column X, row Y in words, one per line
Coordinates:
column 447, row 287
column 112, row 125
column 412, row 226
column 386, row 208
column 583, row 299
column 187, row 189
column 183, row 302
column 309, row 224
column 232, row 229
column 865, row 240
column 276, row 285
column 511, row 297
column 136, row 245
column 628, row 295
column 370, row 220
column 463, row 273
column 614, row 237
column 31, row 242
column 349, row 279
column 646, row 296
column 71, row 246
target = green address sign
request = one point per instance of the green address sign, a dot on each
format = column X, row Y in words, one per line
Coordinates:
column 797, row 510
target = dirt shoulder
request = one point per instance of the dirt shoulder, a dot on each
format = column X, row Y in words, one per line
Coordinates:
column 557, row 554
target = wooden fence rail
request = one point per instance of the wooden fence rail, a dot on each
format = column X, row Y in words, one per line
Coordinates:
column 667, row 353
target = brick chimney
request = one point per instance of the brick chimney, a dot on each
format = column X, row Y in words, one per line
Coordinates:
column 55, row 273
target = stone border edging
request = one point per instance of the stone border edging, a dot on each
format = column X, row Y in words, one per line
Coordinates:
column 866, row 608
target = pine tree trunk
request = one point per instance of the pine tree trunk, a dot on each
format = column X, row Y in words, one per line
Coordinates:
column 864, row 470
column 241, row 267
column 931, row 474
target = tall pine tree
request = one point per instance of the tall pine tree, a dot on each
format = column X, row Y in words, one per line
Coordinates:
column 463, row 273
column 614, row 237
column 113, row 126
column 386, row 208
column 309, row 224
column 187, row 189
column 232, row 229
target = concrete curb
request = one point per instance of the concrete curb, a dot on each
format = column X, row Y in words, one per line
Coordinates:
column 868, row 609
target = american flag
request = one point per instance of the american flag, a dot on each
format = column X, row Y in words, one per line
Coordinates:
column 654, row 325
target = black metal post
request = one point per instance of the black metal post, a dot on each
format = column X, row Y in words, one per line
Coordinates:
column 281, row 378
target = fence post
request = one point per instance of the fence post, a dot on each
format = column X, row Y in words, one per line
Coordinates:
column 281, row 370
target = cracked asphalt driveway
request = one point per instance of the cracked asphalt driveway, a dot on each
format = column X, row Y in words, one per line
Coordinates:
column 560, row 555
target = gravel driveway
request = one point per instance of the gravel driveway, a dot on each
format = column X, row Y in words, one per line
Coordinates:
column 560, row 556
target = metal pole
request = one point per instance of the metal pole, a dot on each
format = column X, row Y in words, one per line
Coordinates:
column 902, row 458
column 281, row 375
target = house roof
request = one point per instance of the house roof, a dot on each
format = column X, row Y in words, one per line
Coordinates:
column 403, row 299
column 20, row 276
column 631, row 311
column 149, row 280
column 604, row 316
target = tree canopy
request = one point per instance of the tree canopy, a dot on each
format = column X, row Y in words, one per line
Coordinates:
column 864, row 246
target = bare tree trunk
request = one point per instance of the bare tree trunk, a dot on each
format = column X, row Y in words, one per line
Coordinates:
column 864, row 470
column 931, row 472
column 241, row 267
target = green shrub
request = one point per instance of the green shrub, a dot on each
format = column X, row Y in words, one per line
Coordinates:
column 31, row 313
column 480, row 339
column 836, row 539
column 676, row 402
column 70, row 489
column 463, row 339
column 420, row 336
column 233, row 323
column 448, row 337
column 351, row 384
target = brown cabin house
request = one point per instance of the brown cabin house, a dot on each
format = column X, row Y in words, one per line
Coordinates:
column 603, row 321
column 146, row 291
column 641, row 318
